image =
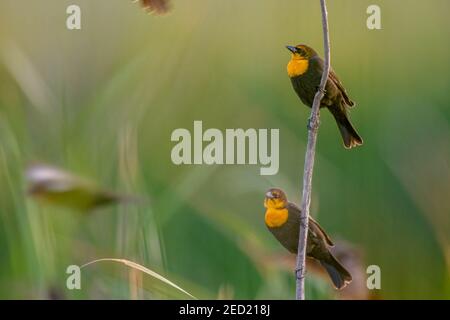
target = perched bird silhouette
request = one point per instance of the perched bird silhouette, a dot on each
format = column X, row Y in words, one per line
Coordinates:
column 282, row 218
column 305, row 71
column 55, row 186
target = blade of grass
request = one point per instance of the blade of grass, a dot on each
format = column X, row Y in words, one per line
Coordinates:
column 141, row 268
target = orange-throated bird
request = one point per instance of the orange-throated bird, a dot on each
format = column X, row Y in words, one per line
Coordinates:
column 305, row 70
column 283, row 221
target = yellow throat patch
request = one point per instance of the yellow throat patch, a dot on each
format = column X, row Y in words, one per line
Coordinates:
column 297, row 66
column 276, row 217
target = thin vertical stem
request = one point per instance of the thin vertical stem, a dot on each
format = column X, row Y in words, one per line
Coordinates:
column 313, row 127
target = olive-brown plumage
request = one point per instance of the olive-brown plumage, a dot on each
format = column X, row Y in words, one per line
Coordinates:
column 305, row 71
column 283, row 221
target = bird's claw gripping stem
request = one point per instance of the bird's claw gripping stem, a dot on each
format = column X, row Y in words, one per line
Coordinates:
column 300, row 273
column 318, row 88
column 312, row 124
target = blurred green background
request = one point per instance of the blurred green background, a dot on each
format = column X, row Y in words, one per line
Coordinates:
column 102, row 102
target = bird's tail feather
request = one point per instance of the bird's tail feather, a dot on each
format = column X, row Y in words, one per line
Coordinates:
column 349, row 135
column 338, row 274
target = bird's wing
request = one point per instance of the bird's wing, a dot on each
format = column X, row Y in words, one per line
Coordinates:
column 333, row 77
column 313, row 225
column 320, row 232
column 156, row 6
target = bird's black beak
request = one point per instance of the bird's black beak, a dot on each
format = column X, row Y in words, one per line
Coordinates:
column 269, row 195
column 292, row 49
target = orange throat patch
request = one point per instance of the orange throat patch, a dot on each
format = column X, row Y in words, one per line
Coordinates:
column 296, row 67
column 276, row 217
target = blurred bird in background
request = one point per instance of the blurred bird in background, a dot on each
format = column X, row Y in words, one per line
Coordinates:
column 49, row 184
column 158, row 7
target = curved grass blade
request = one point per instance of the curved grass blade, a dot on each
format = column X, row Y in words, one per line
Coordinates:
column 141, row 268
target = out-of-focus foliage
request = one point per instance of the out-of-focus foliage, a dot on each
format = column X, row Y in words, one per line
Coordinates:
column 102, row 102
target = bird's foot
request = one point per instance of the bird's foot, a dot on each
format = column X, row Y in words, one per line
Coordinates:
column 312, row 124
column 300, row 273
column 318, row 88
column 309, row 124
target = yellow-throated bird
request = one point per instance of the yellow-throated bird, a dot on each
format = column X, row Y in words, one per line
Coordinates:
column 55, row 186
column 283, row 221
column 305, row 71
